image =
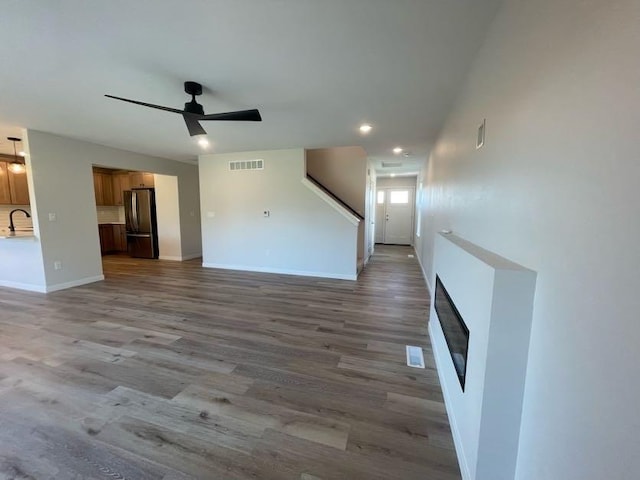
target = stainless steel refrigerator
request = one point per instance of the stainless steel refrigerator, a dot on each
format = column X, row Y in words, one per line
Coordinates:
column 142, row 228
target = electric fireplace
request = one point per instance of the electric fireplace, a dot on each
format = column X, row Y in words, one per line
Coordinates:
column 455, row 330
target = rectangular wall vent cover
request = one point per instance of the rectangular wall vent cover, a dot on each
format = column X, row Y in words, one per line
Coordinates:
column 391, row 164
column 247, row 165
column 415, row 357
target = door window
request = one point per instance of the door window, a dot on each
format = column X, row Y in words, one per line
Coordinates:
column 399, row 196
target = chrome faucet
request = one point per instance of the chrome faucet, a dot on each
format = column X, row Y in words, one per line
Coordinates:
column 12, row 228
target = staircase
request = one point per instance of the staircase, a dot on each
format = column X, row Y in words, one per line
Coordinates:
column 340, row 174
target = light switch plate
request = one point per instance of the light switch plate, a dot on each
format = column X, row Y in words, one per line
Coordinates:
column 52, row 217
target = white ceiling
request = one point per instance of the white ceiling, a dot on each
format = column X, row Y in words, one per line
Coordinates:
column 316, row 69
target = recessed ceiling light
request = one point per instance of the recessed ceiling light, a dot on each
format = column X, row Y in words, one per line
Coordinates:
column 397, row 150
column 393, row 175
column 365, row 128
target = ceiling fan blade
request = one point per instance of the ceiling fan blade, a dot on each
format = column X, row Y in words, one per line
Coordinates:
column 193, row 125
column 239, row 116
column 150, row 105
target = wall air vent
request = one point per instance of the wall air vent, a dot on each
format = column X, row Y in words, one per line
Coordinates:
column 247, row 165
column 391, row 164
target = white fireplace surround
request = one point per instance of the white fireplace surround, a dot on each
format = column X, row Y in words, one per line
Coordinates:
column 495, row 299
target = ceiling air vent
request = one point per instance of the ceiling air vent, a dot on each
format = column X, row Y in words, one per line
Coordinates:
column 391, row 164
column 247, row 165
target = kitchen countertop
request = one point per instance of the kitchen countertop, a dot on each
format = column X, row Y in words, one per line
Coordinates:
column 18, row 234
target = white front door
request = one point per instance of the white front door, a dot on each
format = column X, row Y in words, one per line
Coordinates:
column 396, row 215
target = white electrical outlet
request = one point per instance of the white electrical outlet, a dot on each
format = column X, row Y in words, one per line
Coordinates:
column 57, row 265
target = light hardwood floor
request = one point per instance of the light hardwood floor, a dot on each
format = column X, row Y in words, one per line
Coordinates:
column 169, row 371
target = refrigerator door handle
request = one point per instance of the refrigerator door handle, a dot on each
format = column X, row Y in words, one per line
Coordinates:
column 134, row 209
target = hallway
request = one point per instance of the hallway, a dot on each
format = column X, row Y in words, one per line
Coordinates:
column 168, row 371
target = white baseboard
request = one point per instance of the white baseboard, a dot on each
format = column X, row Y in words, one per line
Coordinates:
column 170, row 257
column 242, row 268
column 462, row 459
column 74, row 283
column 175, row 258
column 424, row 274
column 23, row 286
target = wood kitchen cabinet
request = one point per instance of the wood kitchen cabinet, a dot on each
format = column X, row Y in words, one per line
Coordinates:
column 97, row 188
column 119, row 238
column 113, row 238
column 19, row 188
column 109, row 185
column 103, row 188
column 121, row 183
column 107, row 244
column 13, row 186
column 141, row 179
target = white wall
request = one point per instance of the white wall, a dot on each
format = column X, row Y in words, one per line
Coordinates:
column 343, row 170
column 303, row 234
column 168, row 217
column 495, row 300
column 387, row 182
column 370, row 211
column 555, row 189
column 21, row 264
column 61, row 174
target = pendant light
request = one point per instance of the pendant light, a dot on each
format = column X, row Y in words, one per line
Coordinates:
column 16, row 166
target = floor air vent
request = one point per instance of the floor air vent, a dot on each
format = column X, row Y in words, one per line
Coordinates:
column 247, row 165
column 414, row 357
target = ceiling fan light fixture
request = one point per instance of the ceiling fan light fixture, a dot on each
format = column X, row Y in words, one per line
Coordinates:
column 397, row 150
column 203, row 141
column 365, row 128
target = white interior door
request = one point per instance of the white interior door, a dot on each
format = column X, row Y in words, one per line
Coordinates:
column 398, row 221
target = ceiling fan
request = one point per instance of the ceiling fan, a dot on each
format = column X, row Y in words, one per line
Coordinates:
column 193, row 112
